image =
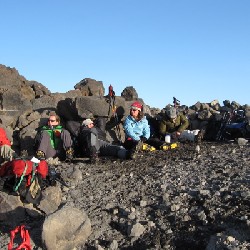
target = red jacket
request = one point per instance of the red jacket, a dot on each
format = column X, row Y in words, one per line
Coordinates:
column 3, row 138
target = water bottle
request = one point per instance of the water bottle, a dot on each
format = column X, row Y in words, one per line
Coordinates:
column 167, row 138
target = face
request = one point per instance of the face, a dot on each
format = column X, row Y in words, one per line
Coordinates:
column 91, row 125
column 52, row 121
column 134, row 112
column 173, row 119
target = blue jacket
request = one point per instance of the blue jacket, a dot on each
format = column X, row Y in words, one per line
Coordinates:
column 134, row 129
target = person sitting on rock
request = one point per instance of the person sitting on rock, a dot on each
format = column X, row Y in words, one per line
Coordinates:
column 99, row 124
column 6, row 152
column 137, row 130
column 92, row 146
column 175, row 124
column 53, row 140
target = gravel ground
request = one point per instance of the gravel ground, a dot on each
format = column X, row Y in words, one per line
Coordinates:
column 178, row 199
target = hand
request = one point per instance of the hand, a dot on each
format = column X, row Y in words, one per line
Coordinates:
column 143, row 139
column 178, row 133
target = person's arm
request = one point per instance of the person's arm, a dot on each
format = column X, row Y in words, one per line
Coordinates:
column 94, row 131
column 146, row 129
column 162, row 128
column 184, row 123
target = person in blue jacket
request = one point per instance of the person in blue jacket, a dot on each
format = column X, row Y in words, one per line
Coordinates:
column 137, row 129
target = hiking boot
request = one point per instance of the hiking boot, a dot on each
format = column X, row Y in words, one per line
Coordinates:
column 132, row 154
column 93, row 155
column 40, row 154
column 198, row 137
column 69, row 154
column 146, row 147
column 165, row 146
column 139, row 146
column 168, row 146
column 94, row 159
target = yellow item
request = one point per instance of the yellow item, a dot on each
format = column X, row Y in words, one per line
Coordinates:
column 146, row 147
column 174, row 145
column 170, row 146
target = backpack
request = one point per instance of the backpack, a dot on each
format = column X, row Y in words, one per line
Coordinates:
column 27, row 178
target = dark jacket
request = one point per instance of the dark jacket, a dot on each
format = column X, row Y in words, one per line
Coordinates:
column 167, row 125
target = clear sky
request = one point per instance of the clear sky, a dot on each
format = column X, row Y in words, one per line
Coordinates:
column 195, row 50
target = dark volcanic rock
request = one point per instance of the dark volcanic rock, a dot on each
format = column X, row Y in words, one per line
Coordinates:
column 180, row 199
column 175, row 199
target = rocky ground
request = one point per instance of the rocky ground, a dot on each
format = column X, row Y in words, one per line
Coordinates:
column 177, row 199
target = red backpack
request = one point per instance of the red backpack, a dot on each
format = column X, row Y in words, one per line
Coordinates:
column 28, row 177
column 19, row 167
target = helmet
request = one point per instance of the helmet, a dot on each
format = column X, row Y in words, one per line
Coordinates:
column 171, row 112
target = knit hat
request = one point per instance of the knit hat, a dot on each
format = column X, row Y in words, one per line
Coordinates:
column 137, row 106
column 87, row 122
column 171, row 112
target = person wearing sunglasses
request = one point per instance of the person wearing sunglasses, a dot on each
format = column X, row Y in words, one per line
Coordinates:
column 136, row 128
column 53, row 140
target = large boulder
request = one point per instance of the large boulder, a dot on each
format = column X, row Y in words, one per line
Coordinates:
column 90, row 87
column 129, row 94
column 15, row 91
column 66, row 229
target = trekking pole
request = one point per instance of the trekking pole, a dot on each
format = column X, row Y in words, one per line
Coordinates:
column 112, row 107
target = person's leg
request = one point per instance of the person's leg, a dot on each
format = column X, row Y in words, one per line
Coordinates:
column 155, row 142
column 189, row 135
column 107, row 149
column 66, row 139
column 90, row 145
column 66, row 146
column 133, row 147
column 45, row 146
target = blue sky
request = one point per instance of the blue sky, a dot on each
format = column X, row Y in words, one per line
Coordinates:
column 195, row 50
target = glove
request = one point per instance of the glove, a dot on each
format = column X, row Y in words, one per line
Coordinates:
column 143, row 139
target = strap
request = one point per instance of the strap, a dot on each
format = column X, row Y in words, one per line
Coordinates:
column 15, row 188
column 25, row 245
column 33, row 171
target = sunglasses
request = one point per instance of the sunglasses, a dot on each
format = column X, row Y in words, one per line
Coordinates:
column 134, row 109
column 52, row 120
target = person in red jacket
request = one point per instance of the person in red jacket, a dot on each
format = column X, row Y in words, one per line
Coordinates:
column 6, row 152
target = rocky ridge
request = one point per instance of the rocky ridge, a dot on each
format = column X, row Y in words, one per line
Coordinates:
column 176, row 199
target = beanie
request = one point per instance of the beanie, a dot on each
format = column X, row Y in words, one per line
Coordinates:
column 87, row 122
column 171, row 112
column 137, row 106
